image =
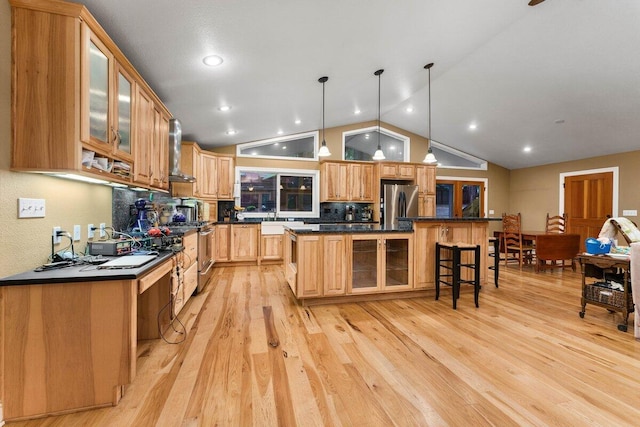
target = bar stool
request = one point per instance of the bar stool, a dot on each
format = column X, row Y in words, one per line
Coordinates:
column 496, row 258
column 452, row 263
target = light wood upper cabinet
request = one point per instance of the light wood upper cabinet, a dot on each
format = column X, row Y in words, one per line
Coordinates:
column 426, row 179
column 160, row 150
column 225, row 177
column 426, row 204
column 144, row 138
column 333, row 181
column 345, row 181
column 360, row 182
column 208, row 175
column 404, row 171
column 214, row 174
column 74, row 90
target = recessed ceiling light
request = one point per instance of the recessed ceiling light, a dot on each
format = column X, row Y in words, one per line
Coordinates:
column 284, row 147
column 357, row 111
column 280, row 132
column 298, row 121
column 409, row 109
column 393, row 147
column 527, row 149
column 473, row 126
column 231, row 132
column 212, row 60
column 276, row 143
column 224, row 108
column 253, row 153
column 366, row 136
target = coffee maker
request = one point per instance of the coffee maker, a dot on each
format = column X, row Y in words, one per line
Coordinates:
column 349, row 213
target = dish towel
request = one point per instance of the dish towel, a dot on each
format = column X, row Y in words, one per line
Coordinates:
column 635, row 287
column 608, row 231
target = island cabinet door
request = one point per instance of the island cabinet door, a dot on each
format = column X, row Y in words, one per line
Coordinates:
column 365, row 259
column 309, row 271
column 425, row 237
column 334, row 265
column 397, row 262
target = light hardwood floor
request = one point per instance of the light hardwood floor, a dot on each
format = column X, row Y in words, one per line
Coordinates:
column 252, row 356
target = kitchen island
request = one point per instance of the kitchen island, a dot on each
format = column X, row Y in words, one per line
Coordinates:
column 349, row 262
column 69, row 336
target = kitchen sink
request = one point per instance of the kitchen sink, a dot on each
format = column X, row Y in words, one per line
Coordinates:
column 277, row 227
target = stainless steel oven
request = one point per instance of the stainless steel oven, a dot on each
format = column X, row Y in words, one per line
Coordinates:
column 205, row 252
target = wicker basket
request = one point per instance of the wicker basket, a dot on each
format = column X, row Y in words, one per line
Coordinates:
column 604, row 294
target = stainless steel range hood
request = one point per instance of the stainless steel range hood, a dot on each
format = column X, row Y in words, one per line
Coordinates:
column 175, row 145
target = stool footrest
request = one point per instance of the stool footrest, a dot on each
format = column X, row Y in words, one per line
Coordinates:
column 454, row 265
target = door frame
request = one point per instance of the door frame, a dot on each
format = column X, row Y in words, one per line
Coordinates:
column 613, row 169
column 485, row 181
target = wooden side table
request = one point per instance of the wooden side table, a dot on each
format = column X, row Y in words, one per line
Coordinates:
column 601, row 293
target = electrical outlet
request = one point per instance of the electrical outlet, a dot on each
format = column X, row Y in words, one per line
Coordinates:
column 77, row 234
column 103, row 232
column 90, row 231
column 56, row 238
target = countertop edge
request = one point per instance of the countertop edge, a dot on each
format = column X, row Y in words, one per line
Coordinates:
column 70, row 274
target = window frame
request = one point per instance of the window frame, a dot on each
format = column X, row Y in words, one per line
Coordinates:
column 406, row 151
column 315, row 195
column 315, row 134
column 440, row 146
column 458, row 182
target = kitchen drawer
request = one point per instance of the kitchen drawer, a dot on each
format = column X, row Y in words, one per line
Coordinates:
column 190, row 281
column 190, row 244
column 156, row 274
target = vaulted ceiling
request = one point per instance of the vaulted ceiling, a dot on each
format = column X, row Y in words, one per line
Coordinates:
column 562, row 77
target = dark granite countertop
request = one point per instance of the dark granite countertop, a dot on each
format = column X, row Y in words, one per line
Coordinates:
column 305, row 220
column 347, row 228
column 454, row 219
column 83, row 273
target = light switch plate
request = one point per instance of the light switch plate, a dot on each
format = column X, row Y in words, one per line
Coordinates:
column 76, row 233
column 630, row 212
column 30, row 208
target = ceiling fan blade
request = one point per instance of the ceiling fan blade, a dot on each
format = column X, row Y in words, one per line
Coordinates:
column 535, row 2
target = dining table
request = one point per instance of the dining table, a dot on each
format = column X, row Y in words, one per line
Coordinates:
column 563, row 246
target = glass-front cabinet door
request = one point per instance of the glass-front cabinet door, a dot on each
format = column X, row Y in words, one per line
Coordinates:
column 397, row 262
column 99, row 87
column 122, row 130
column 380, row 262
column 365, row 261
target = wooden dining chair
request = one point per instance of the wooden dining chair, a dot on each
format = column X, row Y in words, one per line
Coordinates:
column 513, row 247
column 556, row 224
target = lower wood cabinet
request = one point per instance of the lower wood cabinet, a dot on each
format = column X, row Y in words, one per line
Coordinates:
column 244, row 242
column 223, row 235
column 380, row 262
column 271, row 247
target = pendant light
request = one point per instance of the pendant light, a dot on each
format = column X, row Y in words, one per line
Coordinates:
column 378, row 155
column 324, row 150
column 430, row 157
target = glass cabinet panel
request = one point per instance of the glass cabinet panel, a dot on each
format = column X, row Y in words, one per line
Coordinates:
column 364, row 264
column 124, row 113
column 98, row 93
column 396, row 262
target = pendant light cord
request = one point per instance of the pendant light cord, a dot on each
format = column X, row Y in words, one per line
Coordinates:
column 379, row 74
column 323, row 110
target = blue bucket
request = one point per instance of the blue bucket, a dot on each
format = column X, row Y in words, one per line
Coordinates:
column 593, row 246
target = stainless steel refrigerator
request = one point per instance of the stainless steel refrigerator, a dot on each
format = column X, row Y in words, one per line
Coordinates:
column 398, row 201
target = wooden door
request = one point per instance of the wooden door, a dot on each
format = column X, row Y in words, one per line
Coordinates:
column 588, row 200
